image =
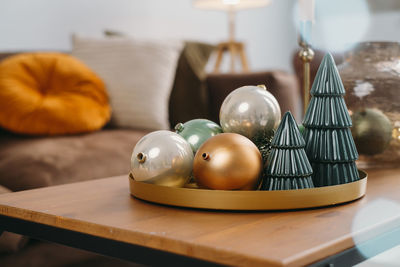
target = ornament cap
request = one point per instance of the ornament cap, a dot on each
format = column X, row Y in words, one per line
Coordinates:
column 205, row 156
column 141, row 157
column 262, row 86
column 179, row 127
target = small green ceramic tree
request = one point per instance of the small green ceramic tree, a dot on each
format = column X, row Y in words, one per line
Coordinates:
column 287, row 165
column 329, row 144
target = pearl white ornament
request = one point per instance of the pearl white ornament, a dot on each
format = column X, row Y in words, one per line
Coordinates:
column 163, row 158
column 250, row 111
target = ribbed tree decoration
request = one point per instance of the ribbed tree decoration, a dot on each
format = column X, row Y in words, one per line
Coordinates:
column 287, row 165
column 330, row 146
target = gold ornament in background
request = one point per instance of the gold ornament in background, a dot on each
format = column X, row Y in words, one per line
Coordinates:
column 228, row 161
column 372, row 131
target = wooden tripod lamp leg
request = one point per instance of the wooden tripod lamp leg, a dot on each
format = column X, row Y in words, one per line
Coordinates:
column 232, row 51
column 245, row 65
column 236, row 51
column 220, row 53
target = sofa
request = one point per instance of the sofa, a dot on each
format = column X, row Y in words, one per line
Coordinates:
column 28, row 162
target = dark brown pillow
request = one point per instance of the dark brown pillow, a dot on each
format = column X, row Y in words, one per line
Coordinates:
column 189, row 98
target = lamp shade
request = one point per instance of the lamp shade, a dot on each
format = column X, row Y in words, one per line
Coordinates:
column 229, row 4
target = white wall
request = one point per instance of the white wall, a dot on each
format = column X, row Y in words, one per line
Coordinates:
column 48, row 24
column 384, row 27
column 269, row 32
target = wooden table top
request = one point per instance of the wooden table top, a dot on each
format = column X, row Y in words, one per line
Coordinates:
column 105, row 208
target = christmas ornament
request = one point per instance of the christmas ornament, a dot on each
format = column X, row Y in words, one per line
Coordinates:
column 372, row 131
column 330, row 146
column 162, row 158
column 250, row 111
column 228, row 161
column 197, row 131
column 287, row 165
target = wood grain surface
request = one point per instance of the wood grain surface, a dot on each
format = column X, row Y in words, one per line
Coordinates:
column 105, row 208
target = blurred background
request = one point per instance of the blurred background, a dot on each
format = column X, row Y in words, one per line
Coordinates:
column 269, row 32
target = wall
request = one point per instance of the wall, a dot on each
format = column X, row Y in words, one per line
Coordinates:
column 47, row 24
column 269, row 32
column 384, row 27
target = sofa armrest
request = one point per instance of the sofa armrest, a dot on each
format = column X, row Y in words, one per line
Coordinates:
column 282, row 85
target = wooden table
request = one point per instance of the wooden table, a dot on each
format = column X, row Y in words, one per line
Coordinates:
column 101, row 216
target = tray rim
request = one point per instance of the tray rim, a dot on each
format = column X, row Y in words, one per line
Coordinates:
column 250, row 200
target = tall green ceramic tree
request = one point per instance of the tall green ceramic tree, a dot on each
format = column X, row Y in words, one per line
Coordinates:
column 287, row 164
column 329, row 144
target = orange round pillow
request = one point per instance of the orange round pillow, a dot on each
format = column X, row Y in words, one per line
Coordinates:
column 51, row 93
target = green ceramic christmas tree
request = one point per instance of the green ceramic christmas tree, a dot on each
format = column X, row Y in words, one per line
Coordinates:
column 329, row 144
column 287, row 165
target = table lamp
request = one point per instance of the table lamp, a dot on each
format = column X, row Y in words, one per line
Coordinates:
column 235, row 49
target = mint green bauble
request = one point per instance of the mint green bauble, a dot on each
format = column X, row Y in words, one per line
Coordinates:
column 197, row 131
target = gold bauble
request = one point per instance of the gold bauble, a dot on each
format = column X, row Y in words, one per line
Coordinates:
column 228, row 161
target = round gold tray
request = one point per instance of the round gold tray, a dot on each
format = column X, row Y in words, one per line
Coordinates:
column 250, row 200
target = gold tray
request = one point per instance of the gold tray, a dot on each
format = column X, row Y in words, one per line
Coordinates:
column 250, row 200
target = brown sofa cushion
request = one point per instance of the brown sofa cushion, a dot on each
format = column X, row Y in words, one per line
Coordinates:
column 281, row 84
column 27, row 162
column 10, row 242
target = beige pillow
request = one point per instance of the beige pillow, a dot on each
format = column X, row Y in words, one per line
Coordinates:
column 138, row 75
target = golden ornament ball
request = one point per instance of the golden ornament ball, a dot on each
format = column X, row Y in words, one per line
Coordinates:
column 228, row 161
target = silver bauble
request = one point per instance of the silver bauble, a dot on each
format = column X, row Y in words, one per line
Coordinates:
column 162, row 158
column 250, row 111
